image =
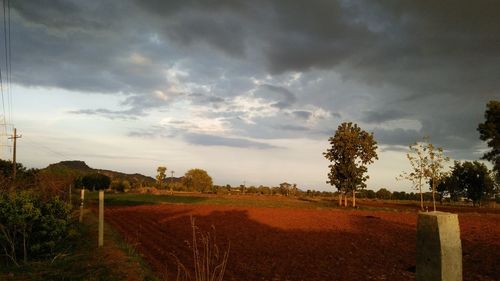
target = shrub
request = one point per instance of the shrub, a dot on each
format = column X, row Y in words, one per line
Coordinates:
column 209, row 261
column 120, row 185
column 31, row 227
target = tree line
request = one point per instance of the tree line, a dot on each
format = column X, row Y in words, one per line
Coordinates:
column 352, row 149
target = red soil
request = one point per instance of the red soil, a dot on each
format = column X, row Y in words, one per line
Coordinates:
column 302, row 244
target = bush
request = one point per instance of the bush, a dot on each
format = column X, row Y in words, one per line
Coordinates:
column 120, row 185
column 31, row 227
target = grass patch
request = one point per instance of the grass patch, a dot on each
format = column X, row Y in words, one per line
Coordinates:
column 133, row 199
column 83, row 261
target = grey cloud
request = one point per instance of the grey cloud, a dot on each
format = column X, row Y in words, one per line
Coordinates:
column 82, row 46
column 107, row 113
column 142, row 103
column 204, row 99
column 286, row 98
column 57, row 14
column 336, row 114
column 138, row 105
column 293, row 128
column 396, row 137
column 197, row 138
column 381, row 116
column 203, row 27
column 434, row 61
column 212, row 140
column 302, row 114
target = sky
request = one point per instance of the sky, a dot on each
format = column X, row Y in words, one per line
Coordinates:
column 248, row 90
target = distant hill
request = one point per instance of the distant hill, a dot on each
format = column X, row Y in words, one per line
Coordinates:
column 76, row 168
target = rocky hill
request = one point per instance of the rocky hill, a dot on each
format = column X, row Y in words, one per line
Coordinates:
column 76, row 168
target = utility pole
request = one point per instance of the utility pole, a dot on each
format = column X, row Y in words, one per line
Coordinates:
column 172, row 182
column 14, row 137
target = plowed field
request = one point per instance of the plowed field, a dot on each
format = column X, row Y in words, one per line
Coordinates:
column 302, row 244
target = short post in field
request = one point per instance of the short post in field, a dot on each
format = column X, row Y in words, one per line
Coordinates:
column 439, row 249
column 82, row 197
column 101, row 218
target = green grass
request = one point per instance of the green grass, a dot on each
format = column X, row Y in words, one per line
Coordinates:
column 82, row 260
column 133, row 199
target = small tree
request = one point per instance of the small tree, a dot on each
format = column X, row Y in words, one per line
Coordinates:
column 426, row 163
column 161, row 174
column 418, row 162
column 351, row 150
column 434, row 170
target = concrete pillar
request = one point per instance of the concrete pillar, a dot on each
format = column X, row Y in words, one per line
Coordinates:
column 439, row 249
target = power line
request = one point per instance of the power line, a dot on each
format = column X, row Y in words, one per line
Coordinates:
column 2, row 84
column 8, row 64
column 29, row 141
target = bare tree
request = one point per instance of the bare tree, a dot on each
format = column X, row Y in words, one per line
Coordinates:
column 427, row 162
column 418, row 161
column 435, row 168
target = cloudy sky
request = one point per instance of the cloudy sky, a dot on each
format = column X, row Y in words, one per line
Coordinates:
column 248, row 90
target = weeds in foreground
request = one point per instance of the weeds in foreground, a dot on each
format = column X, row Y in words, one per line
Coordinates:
column 209, row 261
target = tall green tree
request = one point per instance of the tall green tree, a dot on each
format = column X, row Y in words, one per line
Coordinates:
column 352, row 149
column 489, row 131
column 197, row 179
column 161, row 175
column 450, row 184
column 475, row 179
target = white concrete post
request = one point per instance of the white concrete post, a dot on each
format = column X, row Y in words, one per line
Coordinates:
column 101, row 218
column 439, row 249
column 82, row 197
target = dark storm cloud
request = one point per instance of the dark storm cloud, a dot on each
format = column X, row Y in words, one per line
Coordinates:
column 57, row 14
column 432, row 62
column 83, row 46
column 397, row 136
column 382, row 116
